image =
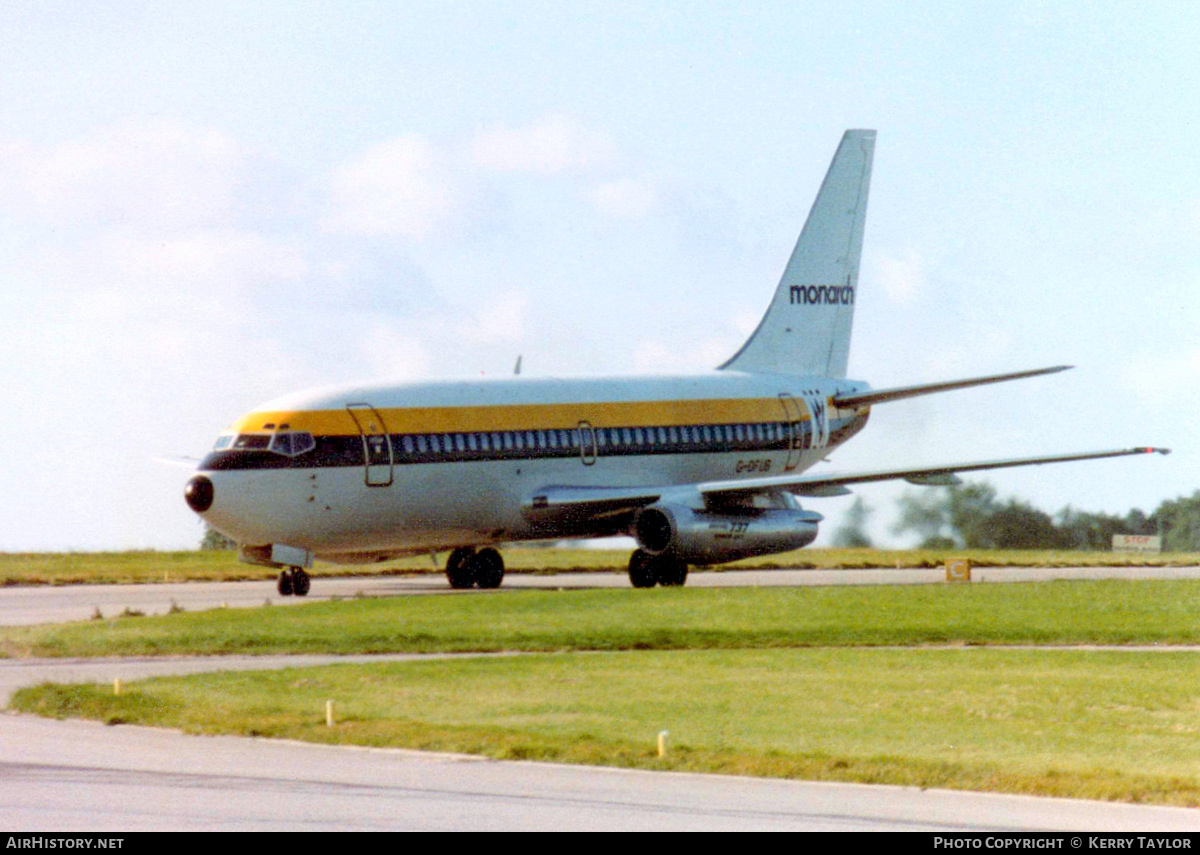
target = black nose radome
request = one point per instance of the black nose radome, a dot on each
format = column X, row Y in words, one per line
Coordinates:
column 199, row 494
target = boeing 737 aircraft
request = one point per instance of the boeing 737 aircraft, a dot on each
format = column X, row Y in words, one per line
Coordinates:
column 700, row 469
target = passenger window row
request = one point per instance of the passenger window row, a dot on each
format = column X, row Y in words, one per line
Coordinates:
column 291, row 449
column 587, row 440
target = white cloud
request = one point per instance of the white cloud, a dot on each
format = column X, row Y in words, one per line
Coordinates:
column 400, row 188
column 902, row 277
column 209, row 258
column 656, row 357
column 410, row 187
column 504, row 322
column 199, row 274
column 157, row 175
column 550, row 145
column 625, row 198
column 395, row 355
column 414, row 348
column 1167, row 379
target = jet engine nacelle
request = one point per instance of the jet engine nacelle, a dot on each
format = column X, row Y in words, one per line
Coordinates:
column 707, row 537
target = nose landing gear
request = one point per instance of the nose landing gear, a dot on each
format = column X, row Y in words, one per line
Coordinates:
column 293, row 581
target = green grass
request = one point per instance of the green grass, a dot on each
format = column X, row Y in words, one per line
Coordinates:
column 144, row 567
column 824, row 683
column 1060, row 612
column 1104, row 725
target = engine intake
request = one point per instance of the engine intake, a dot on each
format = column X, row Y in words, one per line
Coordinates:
column 707, row 537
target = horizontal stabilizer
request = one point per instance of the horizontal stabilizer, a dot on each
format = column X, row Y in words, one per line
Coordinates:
column 878, row 396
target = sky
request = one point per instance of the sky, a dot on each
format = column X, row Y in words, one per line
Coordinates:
column 206, row 205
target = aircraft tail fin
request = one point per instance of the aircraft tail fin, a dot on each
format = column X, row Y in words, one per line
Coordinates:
column 806, row 329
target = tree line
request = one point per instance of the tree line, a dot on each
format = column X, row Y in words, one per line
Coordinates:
column 971, row 516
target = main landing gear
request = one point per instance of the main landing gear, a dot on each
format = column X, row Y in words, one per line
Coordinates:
column 646, row 570
column 467, row 568
column 293, row 580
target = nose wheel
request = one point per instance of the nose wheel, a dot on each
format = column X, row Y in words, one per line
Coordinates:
column 293, row 581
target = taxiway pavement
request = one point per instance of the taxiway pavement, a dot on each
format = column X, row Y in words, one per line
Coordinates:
column 77, row 775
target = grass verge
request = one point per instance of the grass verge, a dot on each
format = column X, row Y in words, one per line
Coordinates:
column 1087, row 724
column 1079, row 612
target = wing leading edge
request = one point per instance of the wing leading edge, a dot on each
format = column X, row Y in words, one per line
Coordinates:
column 944, row 475
column 559, row 502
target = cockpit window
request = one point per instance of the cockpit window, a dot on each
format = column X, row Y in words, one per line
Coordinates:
column 292, row 443
column 223, row 442
column 250, row 441
column 289, row 443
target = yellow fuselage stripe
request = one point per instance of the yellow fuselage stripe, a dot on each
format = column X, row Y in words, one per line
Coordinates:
column 529, row 416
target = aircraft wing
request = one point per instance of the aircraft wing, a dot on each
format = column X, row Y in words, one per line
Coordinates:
column 944, row 475
column 580, row 503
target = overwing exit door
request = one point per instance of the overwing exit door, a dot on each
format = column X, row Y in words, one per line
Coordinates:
column 588, row 448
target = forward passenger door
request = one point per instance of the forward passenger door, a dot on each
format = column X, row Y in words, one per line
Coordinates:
column 377, row 444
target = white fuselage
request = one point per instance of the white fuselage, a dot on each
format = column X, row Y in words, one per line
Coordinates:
column 366, row 472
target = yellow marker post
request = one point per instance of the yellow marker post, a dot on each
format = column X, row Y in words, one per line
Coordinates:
column 662, row 742
column 958, row 570
column 329, row 713
column 117, row 686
